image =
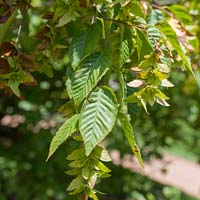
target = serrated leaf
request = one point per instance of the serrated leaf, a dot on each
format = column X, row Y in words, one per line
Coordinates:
column 124, row 52
column 83, row 44
column 154, row 36
column 69, row 127
column 154, row 16
column 97, row 117
column 128, row 131
column 91, row 71
column 171, row 36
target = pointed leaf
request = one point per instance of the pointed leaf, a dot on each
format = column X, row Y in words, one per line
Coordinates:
column 135, row 83
column 69, row 127
column 128, row 131
column 83, row 44
column 91, row 71
column 162, row 102
column 166, row 83
column 97, row 117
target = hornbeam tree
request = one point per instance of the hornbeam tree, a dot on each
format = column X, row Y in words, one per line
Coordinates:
column 113, row 53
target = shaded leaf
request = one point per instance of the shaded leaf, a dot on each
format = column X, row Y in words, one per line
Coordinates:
column 83, row 44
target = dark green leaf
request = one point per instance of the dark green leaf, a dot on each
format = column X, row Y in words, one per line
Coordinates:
column 83, row 44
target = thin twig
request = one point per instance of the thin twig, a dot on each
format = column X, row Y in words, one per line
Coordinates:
column 114, row 20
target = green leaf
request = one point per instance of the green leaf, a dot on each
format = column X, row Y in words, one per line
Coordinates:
column 97, row 117
column 66, row 18
column 181, row 13
column 73, row 172
column 91, row 71
column 77, row 154
column 76, row 183
column 143, row 45
column 101, row 154
column 69, row 81
column 124, row 52
column 14, row 86
column 137, row 9
column 69, row 127
column 15, row 79
column 93, row 195
column 102, row 167
column 86, row 172
column 83, row 44
column 154, row 35
column 4, row 28
column 171, row 36
column 128, row 131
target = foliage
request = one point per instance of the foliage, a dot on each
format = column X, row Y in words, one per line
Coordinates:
column 138, row 42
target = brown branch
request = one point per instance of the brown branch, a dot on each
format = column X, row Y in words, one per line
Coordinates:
column 114, row 20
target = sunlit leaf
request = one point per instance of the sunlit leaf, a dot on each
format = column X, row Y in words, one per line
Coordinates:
column 97, row 117
column 69, row 127
column 92, row 69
